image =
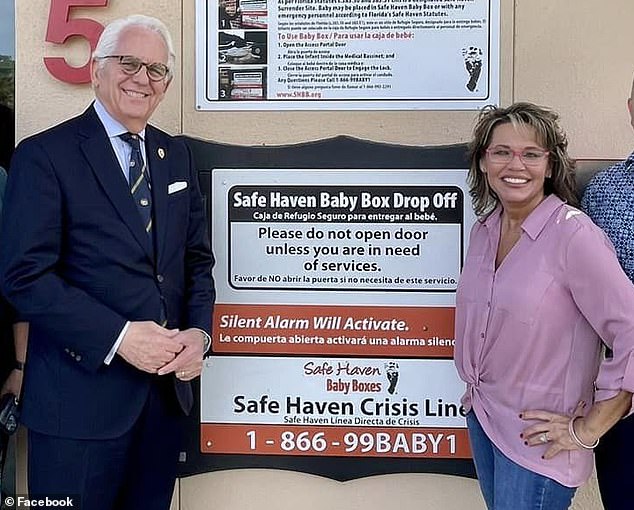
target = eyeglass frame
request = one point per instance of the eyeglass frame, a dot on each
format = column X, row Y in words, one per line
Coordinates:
column 519, row 155
column 140, row 64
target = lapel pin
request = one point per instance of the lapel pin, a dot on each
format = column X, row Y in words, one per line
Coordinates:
column 161, row 152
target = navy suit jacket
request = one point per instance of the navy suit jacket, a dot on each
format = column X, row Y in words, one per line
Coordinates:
column 76, row 263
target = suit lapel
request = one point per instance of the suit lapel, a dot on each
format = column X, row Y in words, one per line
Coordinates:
column 103, row 162
column 158, row 161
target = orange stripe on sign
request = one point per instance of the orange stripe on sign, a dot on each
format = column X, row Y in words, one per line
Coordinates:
column 334, row 330
column 339, row 441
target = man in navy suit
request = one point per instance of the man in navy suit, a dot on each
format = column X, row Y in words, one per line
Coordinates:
column 105, row 253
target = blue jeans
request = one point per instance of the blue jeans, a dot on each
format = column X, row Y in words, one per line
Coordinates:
column 507, row 486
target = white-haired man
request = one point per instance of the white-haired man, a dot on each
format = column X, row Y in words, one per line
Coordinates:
column 109, row 262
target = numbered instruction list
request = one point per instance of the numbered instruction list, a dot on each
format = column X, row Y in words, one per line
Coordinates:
column 344, row 54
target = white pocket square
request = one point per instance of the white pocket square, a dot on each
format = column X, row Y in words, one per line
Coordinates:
column 176, row 186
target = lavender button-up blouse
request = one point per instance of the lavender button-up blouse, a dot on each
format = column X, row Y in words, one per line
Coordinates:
column 528, row 335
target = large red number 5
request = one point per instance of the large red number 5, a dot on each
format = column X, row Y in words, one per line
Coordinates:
column 61, row 27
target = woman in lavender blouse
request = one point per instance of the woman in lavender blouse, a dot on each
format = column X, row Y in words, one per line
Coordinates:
column 540, row 291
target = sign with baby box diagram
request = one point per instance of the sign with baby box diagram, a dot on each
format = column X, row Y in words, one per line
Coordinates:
column 346, row 55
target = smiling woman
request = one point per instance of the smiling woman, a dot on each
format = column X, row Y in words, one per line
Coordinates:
column 516, row 168
column 540, row 291
column 537, row 141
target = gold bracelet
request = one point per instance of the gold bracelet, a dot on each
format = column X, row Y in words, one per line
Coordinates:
column 575, row 437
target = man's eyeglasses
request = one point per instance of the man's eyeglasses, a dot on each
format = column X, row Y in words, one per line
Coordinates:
column 504, row 155
column 131, row 65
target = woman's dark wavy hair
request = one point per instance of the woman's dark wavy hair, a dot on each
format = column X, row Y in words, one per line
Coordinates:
column 550, row 136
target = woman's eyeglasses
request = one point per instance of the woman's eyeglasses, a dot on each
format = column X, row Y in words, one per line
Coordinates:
column 504, row 155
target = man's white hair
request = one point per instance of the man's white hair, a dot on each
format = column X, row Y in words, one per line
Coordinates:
column 107, row 44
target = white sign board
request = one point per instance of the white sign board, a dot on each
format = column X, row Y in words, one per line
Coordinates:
column 347, row 55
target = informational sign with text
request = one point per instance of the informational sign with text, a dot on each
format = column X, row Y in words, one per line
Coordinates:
column 345, row 54
column 333, row 323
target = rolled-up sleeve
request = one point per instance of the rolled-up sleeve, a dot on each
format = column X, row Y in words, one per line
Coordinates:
column 605, row 296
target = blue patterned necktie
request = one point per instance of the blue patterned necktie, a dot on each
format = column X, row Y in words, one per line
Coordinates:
column 139, row 181
column 140, row 188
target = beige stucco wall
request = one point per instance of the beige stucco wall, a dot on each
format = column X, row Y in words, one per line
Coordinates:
column 575, row 56
column 572, row 56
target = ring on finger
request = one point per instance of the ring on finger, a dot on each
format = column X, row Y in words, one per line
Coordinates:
column 181, row 373
column 544, row 437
